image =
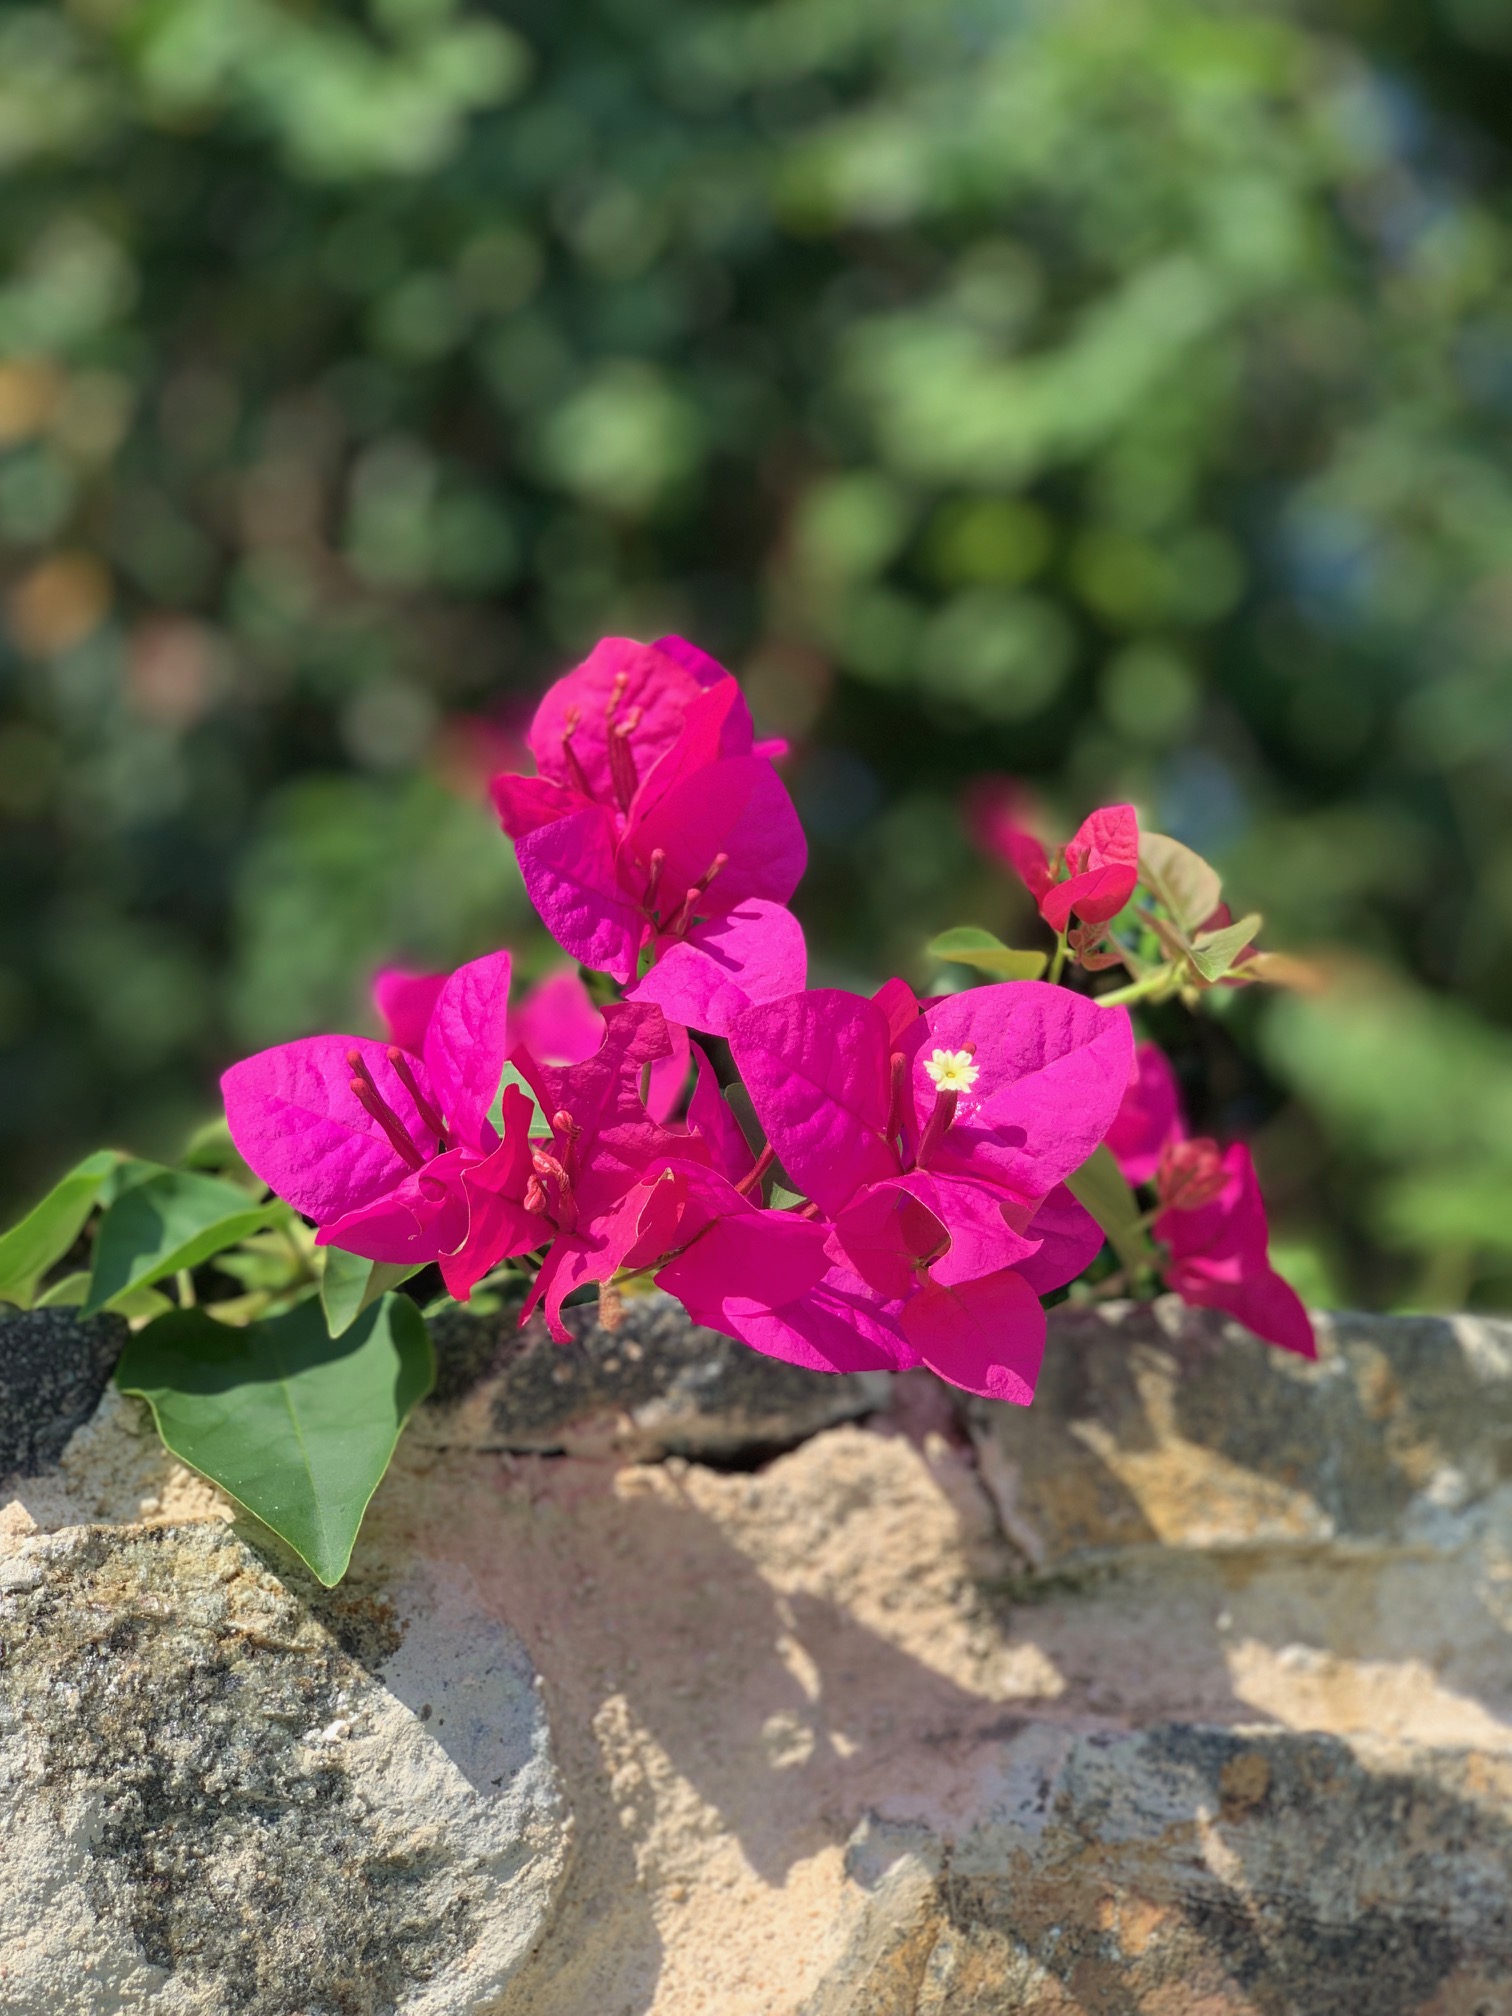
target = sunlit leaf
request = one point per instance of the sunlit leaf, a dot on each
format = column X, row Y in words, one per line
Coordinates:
column 136, row 1303
column 540, row 1126
column 349, row 1284
column 172, row 1221
column 968, row 945
column 47, row 1231
column 1100, row 1187
column 295, row 1425
column 1189, row 887
column 1214, row 952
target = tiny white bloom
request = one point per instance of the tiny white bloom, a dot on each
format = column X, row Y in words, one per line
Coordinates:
column 952, row 1070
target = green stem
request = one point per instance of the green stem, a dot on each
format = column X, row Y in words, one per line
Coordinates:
column 1137, row 990
column 185, row 1283
column 1058, row 963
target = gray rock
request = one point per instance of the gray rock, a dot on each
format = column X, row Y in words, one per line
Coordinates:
column 53, row 1368
column 1166, row 1427
column 220, row 1794
column 1189, row 1868
column 657, row 1386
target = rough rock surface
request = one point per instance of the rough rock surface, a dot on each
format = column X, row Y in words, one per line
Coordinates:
column 1185, row 1693
column 53, row 1369
column 219, row 1792
column 1161, row 1428
column 656, row 1386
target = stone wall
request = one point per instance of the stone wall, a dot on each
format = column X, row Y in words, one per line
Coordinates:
column 671, row 1681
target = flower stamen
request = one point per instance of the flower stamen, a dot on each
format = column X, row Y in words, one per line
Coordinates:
column 570, row 756
column 622, row 770
column 684, row 916
column 373, row 1103
column 429, row 1117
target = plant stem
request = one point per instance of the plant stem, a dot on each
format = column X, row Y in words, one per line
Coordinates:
column 185, row 1283
column 1137, row 989
column 1058, row 963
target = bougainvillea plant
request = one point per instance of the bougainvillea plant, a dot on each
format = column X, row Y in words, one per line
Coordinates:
column 898, row 1180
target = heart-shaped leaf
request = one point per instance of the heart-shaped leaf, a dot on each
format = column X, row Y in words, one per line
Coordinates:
column 969, row 945
column 1100, row 1187
column 170, row 1221
column 47, row 1231
column 295, row 1425
column 1214, row 952
column 1189, row 887
column 349, row 1284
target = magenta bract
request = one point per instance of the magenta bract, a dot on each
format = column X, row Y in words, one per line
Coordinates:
column 373, row 1141
column 653, row 818
column 1149, row 1118
column 1094, row 874
column 1219, row 1259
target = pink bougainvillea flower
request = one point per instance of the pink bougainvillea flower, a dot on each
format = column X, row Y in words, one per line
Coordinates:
column 1150, row 1117
column 1011, row 1085
column 1215, row 1230
column 986, row 1335
column 935, row 1136
column 725, row 965
column 769, row 1279
column 1212, row 1217
column 405, row 1002
column 653, row 819
column 598, row 1178
column 373, row 1142
column 1093, row 874
column 557, row 1023
column 765, row 1278
column 710, row 1118
column 1068, row 1239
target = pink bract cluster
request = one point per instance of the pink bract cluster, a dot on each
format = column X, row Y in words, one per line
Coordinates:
column 908, row 1203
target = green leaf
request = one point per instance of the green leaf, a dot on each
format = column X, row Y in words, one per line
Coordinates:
column 47, row 1231
column 968, row 945
column 1099, row 1186
column 349, row 1284
column 172, row 1220
column 540, row 1126
column 1189, row 887
column 295, row 1425
column 211, row 1148
column 1214, row 952
column 73, row 1289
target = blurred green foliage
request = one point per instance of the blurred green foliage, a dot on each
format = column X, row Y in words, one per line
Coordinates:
column 1117, row 393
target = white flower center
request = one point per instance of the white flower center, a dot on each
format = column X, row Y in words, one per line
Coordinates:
column 952, row 1070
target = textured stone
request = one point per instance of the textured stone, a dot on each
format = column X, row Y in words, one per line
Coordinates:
column 1192, row 1869
column 220, row 1793
column 53, row 1369
column 1165, row 1428
column 657, row 1386
column 1186, row 1692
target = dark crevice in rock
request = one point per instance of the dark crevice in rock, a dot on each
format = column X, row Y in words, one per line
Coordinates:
column 54, row 1365
column 657, row 1386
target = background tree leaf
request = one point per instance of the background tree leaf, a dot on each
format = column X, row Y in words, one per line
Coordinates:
column 969, row 945
column 171, row 1221
column 1099, row 1186
column 1189, row 887
column 296, row 1426
column 349, row 1284
column 47, row 1231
